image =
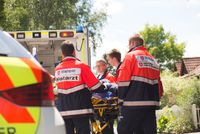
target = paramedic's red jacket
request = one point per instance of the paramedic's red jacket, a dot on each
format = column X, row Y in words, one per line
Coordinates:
column 107, row 75
column 139, row 80
column 75, row 81
column 117, row 71
column 110, row 77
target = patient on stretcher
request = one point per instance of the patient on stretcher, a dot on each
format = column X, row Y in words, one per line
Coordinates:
column 111, row 90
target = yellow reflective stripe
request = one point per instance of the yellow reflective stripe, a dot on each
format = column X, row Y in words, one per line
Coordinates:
column 18, row 71
column 23, row 128
column 83, row 50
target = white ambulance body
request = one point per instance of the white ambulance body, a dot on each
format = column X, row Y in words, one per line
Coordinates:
column 47, row 45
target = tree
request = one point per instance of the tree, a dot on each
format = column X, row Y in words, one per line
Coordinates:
column 162, row 45
column 18, row 15
column 2, row 13
column 92, row 19
column 70, row 13
column 55, row 14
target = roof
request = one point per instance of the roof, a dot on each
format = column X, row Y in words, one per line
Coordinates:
column 188, row 65
column 195, row 72
column 191, row 63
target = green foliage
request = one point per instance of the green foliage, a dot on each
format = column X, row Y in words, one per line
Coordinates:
column 54, row 14
column 162, row 123
column 18, row 15
column 171, row 122
column 96, row 21
column 182, row 92
column 172, row 86
column 162, row 45
column 191, row 95
column 2, row 13
column 165, row 120
column 165, row 101
column 183, row 123
column 179, row 91
column 92, row 19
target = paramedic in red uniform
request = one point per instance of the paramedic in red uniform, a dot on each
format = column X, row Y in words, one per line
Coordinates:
column 101, row 68
column 139, row 89
column 75, row 82
column 114, row 59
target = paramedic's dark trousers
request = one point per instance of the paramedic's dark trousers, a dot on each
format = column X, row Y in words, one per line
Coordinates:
column 80, row 125
column 139, row 121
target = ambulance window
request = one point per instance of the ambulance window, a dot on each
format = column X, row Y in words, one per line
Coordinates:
column 11, row 48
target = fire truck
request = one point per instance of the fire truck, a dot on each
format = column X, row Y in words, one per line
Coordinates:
column 45, row 45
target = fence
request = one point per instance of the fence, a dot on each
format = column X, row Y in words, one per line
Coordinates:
column 196, row 115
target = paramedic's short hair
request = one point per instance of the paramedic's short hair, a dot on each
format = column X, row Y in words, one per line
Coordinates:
column 101, row 61
column 114, row 53
column 138, row 39
column 67, row 48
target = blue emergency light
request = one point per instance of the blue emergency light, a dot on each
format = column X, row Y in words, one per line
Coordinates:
column 79, row 29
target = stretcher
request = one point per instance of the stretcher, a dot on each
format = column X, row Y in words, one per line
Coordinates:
column 105, row 110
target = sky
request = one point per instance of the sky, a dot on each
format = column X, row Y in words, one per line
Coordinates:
column 127, row 17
